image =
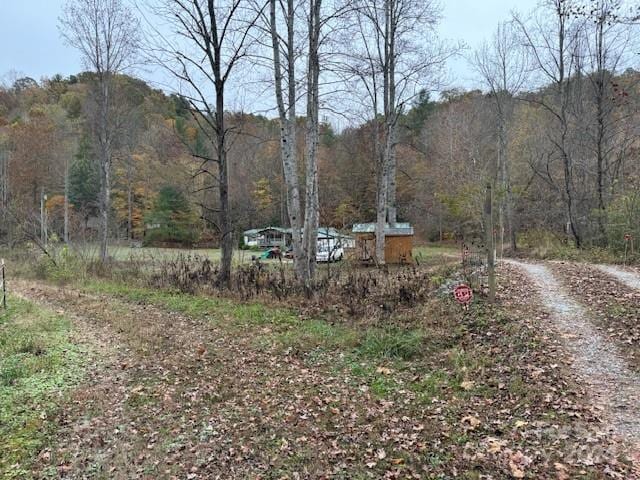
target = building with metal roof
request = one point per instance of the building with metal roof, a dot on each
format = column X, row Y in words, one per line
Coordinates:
column 398, row 242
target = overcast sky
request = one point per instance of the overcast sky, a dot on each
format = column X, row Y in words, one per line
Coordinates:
column 30, row 43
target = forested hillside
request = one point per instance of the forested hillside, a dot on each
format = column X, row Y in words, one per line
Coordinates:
column 446, row 154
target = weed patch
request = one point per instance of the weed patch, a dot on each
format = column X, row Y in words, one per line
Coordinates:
column 38, row 363
column 393, row 343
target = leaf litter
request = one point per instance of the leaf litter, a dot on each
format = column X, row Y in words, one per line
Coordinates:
column 184, row 398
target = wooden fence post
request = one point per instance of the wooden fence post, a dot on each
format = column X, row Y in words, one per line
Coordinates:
column 491, row 257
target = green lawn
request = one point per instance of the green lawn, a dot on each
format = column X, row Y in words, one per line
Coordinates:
column 434, row 250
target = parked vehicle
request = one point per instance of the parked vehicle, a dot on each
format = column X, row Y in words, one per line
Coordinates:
column 329, row 252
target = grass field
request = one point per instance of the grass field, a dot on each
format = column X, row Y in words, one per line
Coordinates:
column 123, row 253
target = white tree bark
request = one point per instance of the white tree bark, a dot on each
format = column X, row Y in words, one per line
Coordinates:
column 305, row 229
column 104, row 150
column 287, row 116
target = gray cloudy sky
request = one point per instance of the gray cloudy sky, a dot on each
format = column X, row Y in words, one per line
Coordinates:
column 30, row 43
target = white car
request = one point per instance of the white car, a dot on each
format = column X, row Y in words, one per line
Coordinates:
column 326, row 254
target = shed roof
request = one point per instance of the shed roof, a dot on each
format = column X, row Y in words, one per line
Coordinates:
column 394, row 229
column 252, row 231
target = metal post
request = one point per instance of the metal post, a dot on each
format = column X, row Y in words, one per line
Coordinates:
column 491, row 253
column 44, row 235
column 46, row 221
column 626, row 246
column 3, row 283
column 42, row 215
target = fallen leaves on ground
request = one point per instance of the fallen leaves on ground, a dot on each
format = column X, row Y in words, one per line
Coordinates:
column 241, row 407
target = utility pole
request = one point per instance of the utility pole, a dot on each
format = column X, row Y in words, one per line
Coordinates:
column 491, row 255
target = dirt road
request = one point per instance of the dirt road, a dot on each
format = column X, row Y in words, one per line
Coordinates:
column 626, row 276
column 614, row 387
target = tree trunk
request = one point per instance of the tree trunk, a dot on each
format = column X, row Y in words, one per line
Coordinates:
column 311, row 217
column 226, row 225
column 392, row 205
column 600, row 159
column 506, row 201
column 129, row 199
column 381, row 216
column 382, row 185
column 105, row 163
column 4, row 193
column 489, row 236
column 105, row 201
column 287, row 116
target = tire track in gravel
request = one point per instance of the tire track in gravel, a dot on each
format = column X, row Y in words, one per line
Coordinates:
column 629, row 278
column 613, row 386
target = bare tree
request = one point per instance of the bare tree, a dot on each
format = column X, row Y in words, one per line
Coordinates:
column 290, row 46
column 552, row 37
column 607, row 41
column 107, row 35
column 396, row 55
column 66, row 139
column 210, row 39
column 502, row 65
column 312, row 206
column 286, row 97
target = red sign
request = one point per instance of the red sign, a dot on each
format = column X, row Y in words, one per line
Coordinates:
column 627, row 237
column 463, row 294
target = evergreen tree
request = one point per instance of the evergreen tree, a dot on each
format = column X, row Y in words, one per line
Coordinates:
column 171, row 219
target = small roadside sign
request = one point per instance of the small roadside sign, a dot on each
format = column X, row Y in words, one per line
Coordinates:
column 463, row 294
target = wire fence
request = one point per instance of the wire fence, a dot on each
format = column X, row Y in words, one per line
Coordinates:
column 474, row 263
